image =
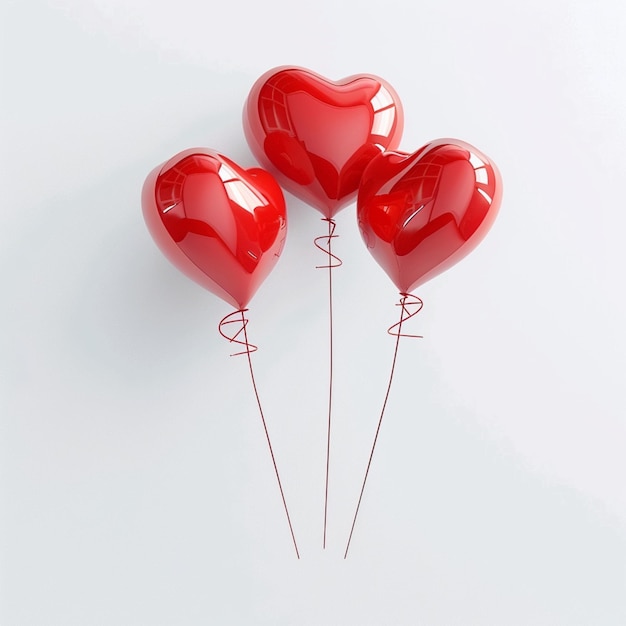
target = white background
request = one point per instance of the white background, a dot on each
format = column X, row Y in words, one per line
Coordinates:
column 136, row 487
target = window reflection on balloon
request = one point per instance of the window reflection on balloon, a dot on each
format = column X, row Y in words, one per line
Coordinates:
column 219, row 224
column 318, row 135
column 420, row 213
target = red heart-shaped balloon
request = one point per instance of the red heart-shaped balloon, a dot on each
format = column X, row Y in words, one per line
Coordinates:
column 420, row 213
column 219, row 224
column 317, row 135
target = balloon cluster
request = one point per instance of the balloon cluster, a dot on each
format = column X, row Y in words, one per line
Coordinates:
column 327, row 143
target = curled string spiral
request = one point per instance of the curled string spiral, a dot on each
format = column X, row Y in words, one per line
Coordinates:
column 239, row 317
column 407, row 302
column 333, row 259
column 333, row 262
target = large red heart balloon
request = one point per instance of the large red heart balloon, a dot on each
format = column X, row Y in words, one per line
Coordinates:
column 219, row 224
column 420, row 213
column 317, row 135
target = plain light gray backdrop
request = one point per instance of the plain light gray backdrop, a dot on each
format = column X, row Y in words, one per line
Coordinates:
column 136, row 488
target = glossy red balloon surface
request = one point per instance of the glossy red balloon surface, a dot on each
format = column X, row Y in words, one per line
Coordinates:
column 420, row 213
column 316, row 135
column 221, row 225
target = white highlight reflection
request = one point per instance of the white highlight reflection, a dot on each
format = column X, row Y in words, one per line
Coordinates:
column 382, row 99
column 384, row 112
column 238, row 191
column 481, row 175
column 226, row 173
column 476, row 161
column 412, row 216
column 383, row 122
column 485, row 195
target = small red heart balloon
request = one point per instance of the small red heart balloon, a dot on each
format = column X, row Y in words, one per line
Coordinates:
column 420, row 213
column 317, row 135
column 221, row 225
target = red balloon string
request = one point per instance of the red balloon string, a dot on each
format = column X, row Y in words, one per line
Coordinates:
column 228, row 319
column 237, row 317
column 406, row 301
column 333, row 262
column 327, row 250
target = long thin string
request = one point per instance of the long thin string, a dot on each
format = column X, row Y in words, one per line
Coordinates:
column 249, row 348
column 330, row 266
column 405, row 314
